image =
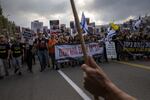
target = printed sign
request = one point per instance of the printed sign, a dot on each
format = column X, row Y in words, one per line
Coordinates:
column 73, row 51
column 111, row 50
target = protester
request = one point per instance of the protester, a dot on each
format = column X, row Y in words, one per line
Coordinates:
column 17, row 52
column 98, row 83
column 42, row 51
column 4, row 56
column 51, row 45
column 29, row 54
column 34, row 52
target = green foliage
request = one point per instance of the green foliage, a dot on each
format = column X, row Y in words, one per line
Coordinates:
column 5, row 24
column 1, row 11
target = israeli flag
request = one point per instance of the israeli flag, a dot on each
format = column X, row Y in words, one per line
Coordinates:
column 84, row 25
column 137, row 24
column 110, row 34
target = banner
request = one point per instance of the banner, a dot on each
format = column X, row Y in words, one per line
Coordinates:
column 75, row 51
column 111, row 50
column 136, row 47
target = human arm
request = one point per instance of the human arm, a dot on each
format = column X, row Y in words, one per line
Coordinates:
column 98, row 83
column 9, row 52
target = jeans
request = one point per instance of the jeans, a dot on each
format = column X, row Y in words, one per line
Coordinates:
column 43, row 58
column 52, row 56
column 17, row 63
column 3, row 67
column 29, row 60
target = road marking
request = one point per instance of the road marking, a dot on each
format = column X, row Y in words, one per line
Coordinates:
column 134, row 65
column 77, row 89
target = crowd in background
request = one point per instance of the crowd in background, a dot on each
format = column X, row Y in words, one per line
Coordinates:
column 14, row 53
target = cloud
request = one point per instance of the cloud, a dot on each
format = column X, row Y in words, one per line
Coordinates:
column 25, row 11
column 101, row 11
column 118, row 9
column 35, row 6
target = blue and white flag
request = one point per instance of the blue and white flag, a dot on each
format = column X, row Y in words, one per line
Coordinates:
column 137, row 24
column 110, row 34
column 84, row 25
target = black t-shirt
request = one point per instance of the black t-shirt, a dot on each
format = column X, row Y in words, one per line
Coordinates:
column 28, row 48
column 41, row 44
column 4, row 50
column 17, row 49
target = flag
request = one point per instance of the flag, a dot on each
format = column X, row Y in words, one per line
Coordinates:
column 84, row 25
column 114, row 26
column 137, row 24
column 110, row 33
column 73, row 33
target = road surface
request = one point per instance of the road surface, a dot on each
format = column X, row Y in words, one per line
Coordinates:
column 66, row 84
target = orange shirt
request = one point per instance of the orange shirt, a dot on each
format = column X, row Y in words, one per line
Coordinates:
column 51, row 45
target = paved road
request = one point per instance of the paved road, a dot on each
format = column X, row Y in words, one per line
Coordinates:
column 50, row 85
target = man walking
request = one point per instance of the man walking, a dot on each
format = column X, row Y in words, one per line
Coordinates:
column 51, row 45
column 4, row 56
column 42, row 51
column 29, row 54
column 17, row 53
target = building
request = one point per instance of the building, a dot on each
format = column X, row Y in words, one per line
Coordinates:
column 37, row 26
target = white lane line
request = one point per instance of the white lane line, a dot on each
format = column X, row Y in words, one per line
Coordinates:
column 77, row 89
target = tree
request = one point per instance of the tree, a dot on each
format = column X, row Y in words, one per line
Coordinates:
column 5, row 24
column 1, row 12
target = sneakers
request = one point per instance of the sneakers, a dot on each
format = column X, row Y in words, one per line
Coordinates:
column 1, row 77
column 42, row 69
column 19, row 73
column 16, row 70
column 57, row 68
column 48, row 66
column 30, row 71
column 7, row 74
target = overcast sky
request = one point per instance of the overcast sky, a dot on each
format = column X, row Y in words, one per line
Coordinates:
column 100, row 11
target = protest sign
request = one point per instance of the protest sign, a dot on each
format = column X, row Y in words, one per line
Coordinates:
column 54, row 24
column 27, row 33
column 111, row 50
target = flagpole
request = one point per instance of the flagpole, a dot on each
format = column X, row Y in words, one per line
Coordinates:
column 80, row 35
column 79, row 30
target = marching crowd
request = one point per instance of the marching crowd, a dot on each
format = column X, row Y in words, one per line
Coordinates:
column 14, row 53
